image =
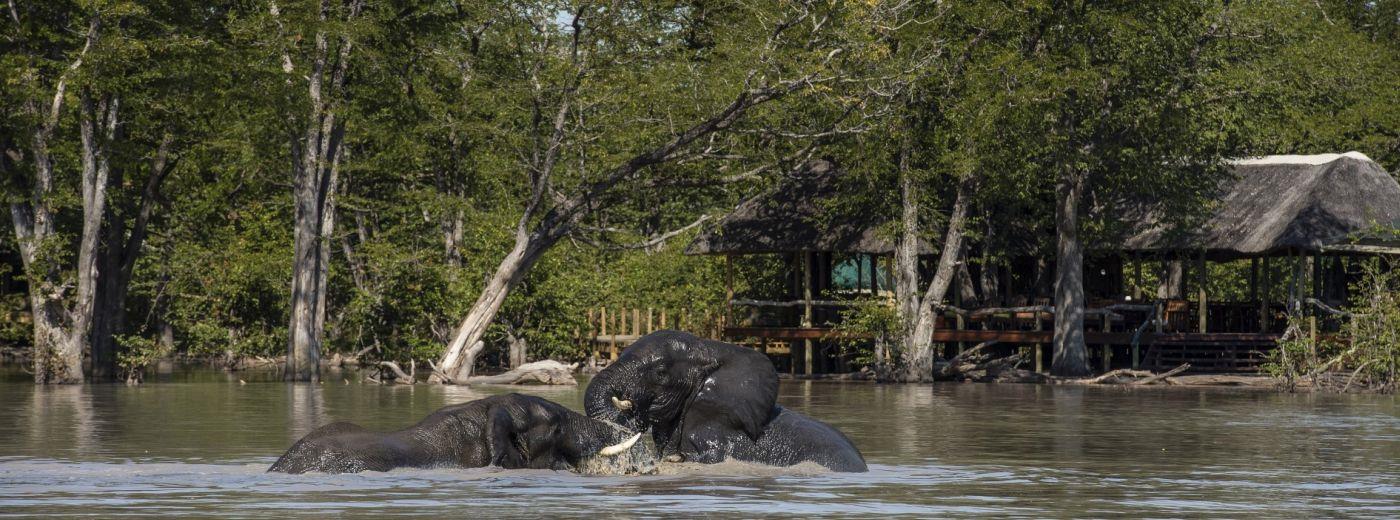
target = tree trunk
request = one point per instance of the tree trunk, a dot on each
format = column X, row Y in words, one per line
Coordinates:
column 907, row 284
column 57, row 358
column 109, row 311
column 97, row 125
column 1171, row 282
column 916, row 310
column 518, row 349
column 452, row 231
column 34, row 226
column 118, row 256
column 460, row 357
column 1071, row 354
column 316, row 162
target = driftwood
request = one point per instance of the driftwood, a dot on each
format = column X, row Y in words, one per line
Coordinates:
column 976, row 364
column 1112, row 377
column 1163, row 375
column 1127, row 376
column 547, row 372
column 400, row 376
column 966, row 361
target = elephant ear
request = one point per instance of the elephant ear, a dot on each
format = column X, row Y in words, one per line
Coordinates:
column 501, row 430
column 741, row 389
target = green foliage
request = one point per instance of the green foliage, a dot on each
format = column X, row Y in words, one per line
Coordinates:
column 1367, row 350
column 136, row 355
column 869, row 318
column 1374, row 330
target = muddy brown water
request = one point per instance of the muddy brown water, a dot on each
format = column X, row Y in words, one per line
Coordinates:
column 197, row 443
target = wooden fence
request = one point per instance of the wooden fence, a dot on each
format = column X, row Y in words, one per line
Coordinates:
column 609, row 329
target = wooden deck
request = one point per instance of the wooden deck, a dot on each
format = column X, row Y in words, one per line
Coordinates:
column 1213, row 352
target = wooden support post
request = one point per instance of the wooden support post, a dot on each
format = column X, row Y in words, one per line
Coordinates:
column 603, row 331
column 874, row 275
column 663, row 317
column 1107, row 348
column 807, row 309
column 650, row 324
column 592, row 346
column 1201, row 277
column 1039, row 347
column 1137, row 278
column 1253, row 279
column 1295, row 282
column 636, row 322
column 728, row 289
column 860, row 273
column 958, row 323
column 1316, row 292
column 1264, row 296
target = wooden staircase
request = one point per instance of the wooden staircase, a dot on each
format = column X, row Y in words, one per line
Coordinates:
column 1213, row 353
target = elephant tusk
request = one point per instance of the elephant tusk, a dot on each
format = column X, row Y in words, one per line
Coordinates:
column 621, row 405
column 619, row 447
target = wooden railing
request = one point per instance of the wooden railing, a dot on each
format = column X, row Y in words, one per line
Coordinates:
column 609, row 329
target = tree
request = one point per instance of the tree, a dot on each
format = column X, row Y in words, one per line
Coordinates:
column 77, row 315
column 1117, row 106
column 572, row 75
column 314, row 40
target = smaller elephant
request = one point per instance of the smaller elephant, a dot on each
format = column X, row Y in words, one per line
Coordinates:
column 511, row 431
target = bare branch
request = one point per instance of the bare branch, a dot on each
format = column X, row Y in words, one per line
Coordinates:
column 650, row 243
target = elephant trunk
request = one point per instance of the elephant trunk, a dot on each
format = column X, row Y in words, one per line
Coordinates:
column 601, row 400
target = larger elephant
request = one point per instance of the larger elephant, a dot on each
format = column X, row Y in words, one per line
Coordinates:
column 707, row 401
column 510, row 431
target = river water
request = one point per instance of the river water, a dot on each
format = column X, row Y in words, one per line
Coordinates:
column 198, row 442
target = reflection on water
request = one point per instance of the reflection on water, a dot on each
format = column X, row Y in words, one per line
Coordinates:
column 200, row 441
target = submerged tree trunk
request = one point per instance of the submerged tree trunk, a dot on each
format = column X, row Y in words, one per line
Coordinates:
column 916, row 307
column 1071, row 354
column 118, row 255
column 906, row 287
column 96, row 127
column 316, row 165
column 57, row 359
column 34, row 226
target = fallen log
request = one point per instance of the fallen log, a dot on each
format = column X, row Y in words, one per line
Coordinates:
column 1112, row 376
column 547, row 372
column 400, row 376
column 1162, row 375
column 966, row 361
column 1128, row 376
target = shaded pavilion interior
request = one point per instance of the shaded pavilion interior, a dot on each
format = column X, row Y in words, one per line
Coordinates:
column 1303, row 224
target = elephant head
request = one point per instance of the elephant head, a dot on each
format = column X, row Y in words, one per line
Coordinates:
column 531, row 432
column 669, row 380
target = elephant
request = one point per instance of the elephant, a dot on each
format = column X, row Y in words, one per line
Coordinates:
column 509, row 431
column 706, row 401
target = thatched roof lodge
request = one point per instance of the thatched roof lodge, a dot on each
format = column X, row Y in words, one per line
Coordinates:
column 1323, row 212
column 1290, row 204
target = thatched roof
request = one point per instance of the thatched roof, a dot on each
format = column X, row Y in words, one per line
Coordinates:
column 789, row 218
column 1279, row 203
